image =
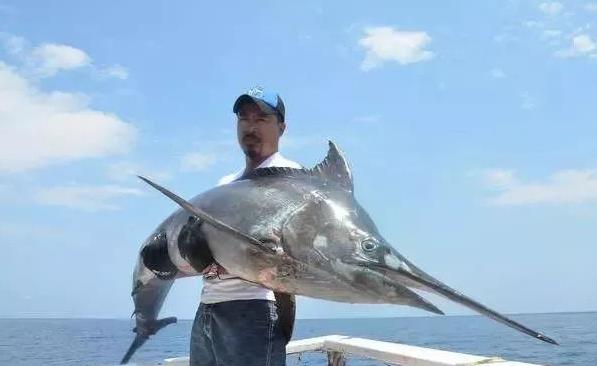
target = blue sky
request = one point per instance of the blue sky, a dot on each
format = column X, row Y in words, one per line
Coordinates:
column 471, row 128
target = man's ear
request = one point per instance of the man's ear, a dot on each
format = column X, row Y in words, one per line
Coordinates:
column 282, row 127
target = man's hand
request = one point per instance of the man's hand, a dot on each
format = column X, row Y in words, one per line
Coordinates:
column 212, row 271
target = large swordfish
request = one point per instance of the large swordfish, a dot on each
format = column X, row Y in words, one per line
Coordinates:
column 295, row 231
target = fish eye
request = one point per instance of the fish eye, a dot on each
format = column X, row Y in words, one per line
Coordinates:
column 369, row 245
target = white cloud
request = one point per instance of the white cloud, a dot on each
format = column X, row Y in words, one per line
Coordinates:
column 388, row 44
column 13, row 44
column 498, row 73
column 49, row 58
column 591, row 7
column 115, row 71
column 86, row 198
column 582, row 45
column 556, row 32
column 564, row 186
column 499, row 178
column 41, row 128
column 551, row 7
column 196, row 161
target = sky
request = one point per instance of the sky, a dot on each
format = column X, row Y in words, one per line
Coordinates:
column 470, row 127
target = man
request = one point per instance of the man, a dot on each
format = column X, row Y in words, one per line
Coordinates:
column 238, row 322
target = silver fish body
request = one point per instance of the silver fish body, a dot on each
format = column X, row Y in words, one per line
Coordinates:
column 295, row 231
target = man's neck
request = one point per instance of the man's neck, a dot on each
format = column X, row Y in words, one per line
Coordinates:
column 252, row 163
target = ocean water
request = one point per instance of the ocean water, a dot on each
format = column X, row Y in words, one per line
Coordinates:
column 103, row 342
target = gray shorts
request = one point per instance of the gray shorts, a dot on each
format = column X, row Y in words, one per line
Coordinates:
column 237, row 333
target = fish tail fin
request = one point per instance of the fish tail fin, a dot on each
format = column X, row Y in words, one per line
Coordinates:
column 141, row 338
column 135, row 345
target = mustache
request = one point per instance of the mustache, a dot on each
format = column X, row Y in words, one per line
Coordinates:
column 251, row 137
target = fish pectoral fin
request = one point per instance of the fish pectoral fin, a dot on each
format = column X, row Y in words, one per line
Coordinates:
column 193, row 244
column 204, row 216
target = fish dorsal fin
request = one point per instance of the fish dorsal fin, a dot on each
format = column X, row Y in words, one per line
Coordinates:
column 274, row 172
column 335, row 167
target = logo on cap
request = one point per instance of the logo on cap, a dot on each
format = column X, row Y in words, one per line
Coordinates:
column 256, row 92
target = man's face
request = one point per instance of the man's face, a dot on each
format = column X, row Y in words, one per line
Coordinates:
column 258, row 132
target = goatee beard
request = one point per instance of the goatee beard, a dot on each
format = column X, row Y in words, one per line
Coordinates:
column 252, row 153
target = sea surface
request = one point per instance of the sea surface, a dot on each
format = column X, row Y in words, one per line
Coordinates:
column 104, row 341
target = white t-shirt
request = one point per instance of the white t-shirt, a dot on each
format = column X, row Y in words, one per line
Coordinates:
column 228, row 287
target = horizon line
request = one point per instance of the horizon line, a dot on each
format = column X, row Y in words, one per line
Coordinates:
column 338, row 318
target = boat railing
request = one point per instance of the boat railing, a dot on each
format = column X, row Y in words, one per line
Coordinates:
column 338, row 348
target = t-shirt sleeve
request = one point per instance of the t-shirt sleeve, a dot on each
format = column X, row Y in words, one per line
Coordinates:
column 226, row 179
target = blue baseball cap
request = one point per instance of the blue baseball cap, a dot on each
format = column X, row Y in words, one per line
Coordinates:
column 268, row 101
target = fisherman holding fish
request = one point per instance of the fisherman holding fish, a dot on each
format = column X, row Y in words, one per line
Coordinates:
column 272, row 224
column 238, row 322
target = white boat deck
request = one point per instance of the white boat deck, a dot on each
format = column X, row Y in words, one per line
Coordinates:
column 339, row 348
